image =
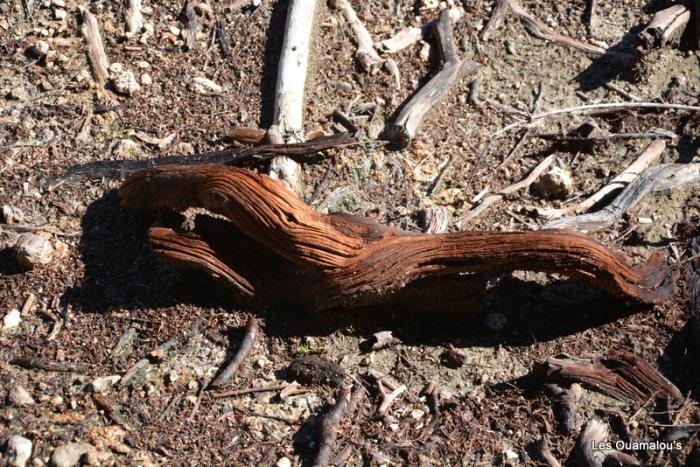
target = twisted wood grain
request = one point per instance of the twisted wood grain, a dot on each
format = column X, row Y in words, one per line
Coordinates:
column 274, row 248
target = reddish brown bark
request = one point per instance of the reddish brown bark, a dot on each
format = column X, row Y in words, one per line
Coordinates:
column 275, row 249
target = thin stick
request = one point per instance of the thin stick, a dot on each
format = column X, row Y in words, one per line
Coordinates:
column 328, row 429
column 251, row 334
column 495, row 198
column 411, row 35
column 240, row 392
column 39, row 228
column 654, row 134
column 453, row 70
column 96, row 50
column 223, row 38
column 542, row 31
column 288, row 120
column 603, row 108
column 190, row 23
column 49, row 365
column 366, row 54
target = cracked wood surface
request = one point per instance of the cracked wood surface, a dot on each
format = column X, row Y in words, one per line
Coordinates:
column 275, row 249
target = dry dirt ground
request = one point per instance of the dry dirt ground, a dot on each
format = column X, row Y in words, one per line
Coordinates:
column 54, row 116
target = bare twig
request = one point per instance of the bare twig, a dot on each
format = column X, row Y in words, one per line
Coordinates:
column 96, row 51
column 223, row 38
column 124, row 340
column 49, row 365
column 411, row 35
column 161, row 350
column 542, row 31
column 495, row 198
column 453, row 70
column 251, row 334
column 328, row 428
column 366, row 54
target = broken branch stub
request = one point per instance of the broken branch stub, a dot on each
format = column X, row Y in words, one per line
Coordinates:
column 666, row 26
column 406, row 125
column 274, row 250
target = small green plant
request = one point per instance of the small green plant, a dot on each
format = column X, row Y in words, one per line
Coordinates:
column 307, row 349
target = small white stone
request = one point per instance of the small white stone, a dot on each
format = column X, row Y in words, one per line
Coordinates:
column 125, row 83
column 12, row 215
column 417, row 414
column 557, row 183
column 19, row 450
column 103, row 383
column 205, row 86
column 172, row 376
column 394, row 426
column 511, row 455
column 33, row 250
column 58, row 3
column 69, row 454
column 18, row 93
column 424, row 53
column 20, row 396
column 143, row 65
column 283, row 462
column 60, row 14
column 12, row 319
column 175, row 30
column 429, row 4
column 146, row 79
column 645, row 220
column 116, row 68
column 126, row 149
column 40, row 48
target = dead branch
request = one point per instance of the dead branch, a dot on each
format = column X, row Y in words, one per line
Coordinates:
column 619, row 374
column 96, row 50
column 666, row 26
column 493, row 199
column 641, row 163
column 328, row 428
column 366, row 55
column 540, row 30
column 251, row 334
column 133, row 17
column 245, row 135
column 240, row 392
column 288, row 120
column 276, row 250
column 497, row 16
column 412, row 35
column 49, row 365
column 590, row 109
column 660, row 178
column 453, row 70
column 236, row 156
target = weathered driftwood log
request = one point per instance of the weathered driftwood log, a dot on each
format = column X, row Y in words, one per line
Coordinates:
column 453, row 70
column 619, row 374
column 666, row 26
column 276, row 250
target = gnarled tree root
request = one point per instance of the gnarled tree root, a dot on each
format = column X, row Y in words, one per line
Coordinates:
column 275, row 250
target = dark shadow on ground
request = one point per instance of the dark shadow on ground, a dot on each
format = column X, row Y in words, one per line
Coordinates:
column 273, row 49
